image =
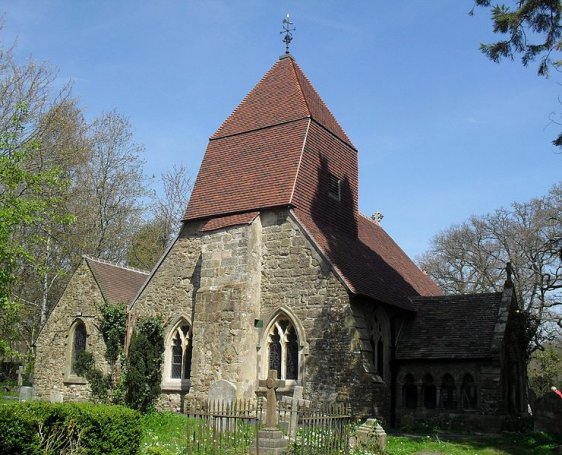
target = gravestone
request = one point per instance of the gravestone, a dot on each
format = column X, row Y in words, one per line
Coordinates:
column 222, row 391
column 370, row 435
column 56, row 396
column 26, row 393
column 295, row 402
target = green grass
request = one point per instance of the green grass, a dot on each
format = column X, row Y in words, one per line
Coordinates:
column 8, row 397
column 504, row 444
column 165, row 434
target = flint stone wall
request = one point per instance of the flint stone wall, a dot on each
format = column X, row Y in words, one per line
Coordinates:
column 82, row 300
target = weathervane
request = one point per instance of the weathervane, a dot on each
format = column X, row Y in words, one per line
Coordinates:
column 287, row 31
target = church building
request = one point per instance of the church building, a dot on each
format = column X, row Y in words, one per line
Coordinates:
column 275, row 268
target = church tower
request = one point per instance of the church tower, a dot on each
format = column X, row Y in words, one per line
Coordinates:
column 272, row 255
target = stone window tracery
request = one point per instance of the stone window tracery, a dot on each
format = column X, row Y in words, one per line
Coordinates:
column 468, row 392
column 181, row 353
column 378, row 330
column 177, row 363
column 78, row 344
column 448, row 392
column 283, row 349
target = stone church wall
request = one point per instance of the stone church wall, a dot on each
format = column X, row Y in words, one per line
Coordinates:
column 224, row 281
column 296, row 277
column 486, row 379
column 82, row 300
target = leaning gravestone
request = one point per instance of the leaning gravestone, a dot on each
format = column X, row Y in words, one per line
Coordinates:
column 26, row 393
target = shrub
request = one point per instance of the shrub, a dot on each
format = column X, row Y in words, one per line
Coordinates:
column 142, row 376
column 46, row 428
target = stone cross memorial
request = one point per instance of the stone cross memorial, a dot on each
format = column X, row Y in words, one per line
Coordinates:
column 271, row 384
column 271, row 440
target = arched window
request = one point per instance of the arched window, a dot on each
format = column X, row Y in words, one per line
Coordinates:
column 78, row 344
column 448, row 392
column 178, row 355
column 410, row 392
column 283, row 349
column 429, row 392
column 468, row 392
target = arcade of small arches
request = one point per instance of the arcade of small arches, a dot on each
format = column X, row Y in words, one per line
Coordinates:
column 444, row 393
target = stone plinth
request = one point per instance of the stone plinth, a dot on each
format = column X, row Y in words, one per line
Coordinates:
column 271, row 442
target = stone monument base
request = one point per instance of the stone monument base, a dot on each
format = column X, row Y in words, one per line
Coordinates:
column 271, row 442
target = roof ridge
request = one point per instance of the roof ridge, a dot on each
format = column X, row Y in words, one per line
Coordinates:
column 300, row 160
column 452, row 296
column 293, row 63
column 368, row 218
column 105, row 261
column 301, row 73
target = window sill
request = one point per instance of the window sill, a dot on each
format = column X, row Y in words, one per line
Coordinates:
column 175, row 385
column 74, row 380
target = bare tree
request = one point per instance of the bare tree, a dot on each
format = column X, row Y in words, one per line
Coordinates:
column 472, row 258
column 167, row 210
column 111, row 189
column 169, row 207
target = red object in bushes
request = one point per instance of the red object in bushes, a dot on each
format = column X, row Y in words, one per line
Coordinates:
column 556, row 391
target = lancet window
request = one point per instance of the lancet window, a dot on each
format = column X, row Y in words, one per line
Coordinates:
column 429, row 392
column 180, row 352
column 78, row 344
column 377, row 342
column 410, row 392
column 448, row 392
column 283, row 349
column 468, row 392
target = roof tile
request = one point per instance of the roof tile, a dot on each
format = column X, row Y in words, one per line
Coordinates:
column 450, row 326
column 118, row 284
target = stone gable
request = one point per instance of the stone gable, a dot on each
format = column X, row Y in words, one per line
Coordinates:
column 81, row 300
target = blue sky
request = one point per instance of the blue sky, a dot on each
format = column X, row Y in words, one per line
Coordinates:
column 442, row 132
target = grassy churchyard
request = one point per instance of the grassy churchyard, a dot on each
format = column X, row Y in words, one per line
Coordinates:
column 164, row 434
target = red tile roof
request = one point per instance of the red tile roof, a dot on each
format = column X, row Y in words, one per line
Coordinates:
column 228, row 221
column 248, row 171
column 117, row 284
column 278, row 149
column 283, row 95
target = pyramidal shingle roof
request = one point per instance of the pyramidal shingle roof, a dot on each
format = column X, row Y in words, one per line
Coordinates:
column 283, row 95
column 280, row 148
column 117, row 284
